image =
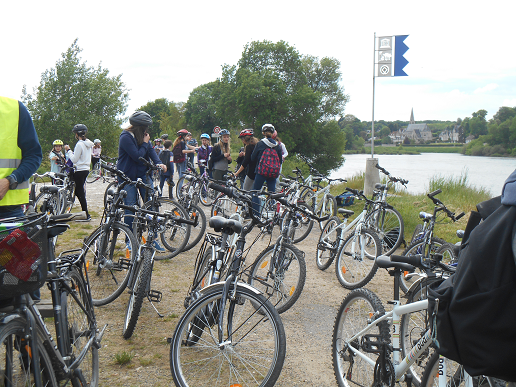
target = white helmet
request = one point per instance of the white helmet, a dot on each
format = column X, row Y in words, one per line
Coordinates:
column 96, row 141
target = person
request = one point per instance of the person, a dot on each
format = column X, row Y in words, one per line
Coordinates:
column 133, row 144
column 248, row 167
column 158, row 147
column 239, row 161
column 164, row 137
column 221, row 156
column 81, row 158
column 95, row 152
column 261, row 178
column 192, row 142
column 284, row 152
column 180, row 150
column 166, row 158
column 57, row 159
column 203, row 153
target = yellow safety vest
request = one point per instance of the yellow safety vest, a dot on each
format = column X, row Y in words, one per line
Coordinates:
column 11, row 154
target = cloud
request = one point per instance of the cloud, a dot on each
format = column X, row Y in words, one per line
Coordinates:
column 486, row 88
column 509, row 102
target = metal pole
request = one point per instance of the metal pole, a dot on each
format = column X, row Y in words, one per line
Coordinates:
column 372, row 123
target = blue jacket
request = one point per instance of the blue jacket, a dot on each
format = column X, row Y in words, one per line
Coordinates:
column 129, row 153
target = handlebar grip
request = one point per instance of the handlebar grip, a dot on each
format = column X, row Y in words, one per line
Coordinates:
column 460, row 215
column 414, row 260
column 226, row 190
column 436, row 192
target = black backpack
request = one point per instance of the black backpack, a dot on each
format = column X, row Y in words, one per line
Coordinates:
column 475, row 309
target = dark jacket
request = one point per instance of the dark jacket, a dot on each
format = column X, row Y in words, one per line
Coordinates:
column 164, row 156
column 248, row 164
column 260, row 147
column 128, row 154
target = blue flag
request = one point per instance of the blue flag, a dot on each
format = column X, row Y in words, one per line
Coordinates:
column 399, row 61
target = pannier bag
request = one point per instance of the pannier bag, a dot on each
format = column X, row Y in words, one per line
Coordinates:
column 345, row 199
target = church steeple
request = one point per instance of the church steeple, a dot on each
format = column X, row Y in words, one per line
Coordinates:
column 412, row 117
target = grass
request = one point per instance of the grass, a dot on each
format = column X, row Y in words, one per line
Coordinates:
column 124, row 357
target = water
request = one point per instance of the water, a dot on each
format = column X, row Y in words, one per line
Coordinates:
column 482, row 172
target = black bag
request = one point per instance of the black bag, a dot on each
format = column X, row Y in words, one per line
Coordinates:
column 164, row 156
column 179, row 156
column 475, row 322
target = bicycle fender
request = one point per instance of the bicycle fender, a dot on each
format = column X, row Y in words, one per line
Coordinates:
column 420, row 278
column 10, row 317
column 239, row 284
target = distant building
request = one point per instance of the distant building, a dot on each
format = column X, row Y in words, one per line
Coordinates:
column 470, row 138
column 397, row 137
column 417, row 132
column 450, row 135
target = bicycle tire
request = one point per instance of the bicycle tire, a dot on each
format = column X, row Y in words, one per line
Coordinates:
column 184, row 184
column 309, row 195
column 15, row 360
column 258, row 338
column 79, row 329
column 106, row 284
column 388, row 225
column 110, row 185
column 207, row 195
column 93, row 176
column 303, row 225
column 69, row 197
column 330, row 208
column 355, row 265
column 196, row 233
column 224, row 206
column 138, row 293
column 417, row 230
column 51, row 199
column 325, row 257
column 289, row 279
column 450, row 259
column 355, row 313
column 416, row 248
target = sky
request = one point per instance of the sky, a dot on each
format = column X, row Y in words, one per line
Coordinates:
column 460, row 53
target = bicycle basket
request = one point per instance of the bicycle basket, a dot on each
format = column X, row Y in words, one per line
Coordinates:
column 23, row 255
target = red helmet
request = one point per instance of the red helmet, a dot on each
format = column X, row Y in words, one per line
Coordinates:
column 246, row 132
column 182, row 132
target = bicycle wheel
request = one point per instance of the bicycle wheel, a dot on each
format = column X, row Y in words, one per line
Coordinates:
column 357, row 311
column 301, row 225
column 328, row 209
column 94, row 174
column 110, row 185
column 138, row 292
column 70, row 197
column 284, row 283
column 196, row 233
column 252, row 350
column 224, row 207
column 16, row 367
column 328, row 243
column 449, row 256
column 109, row 254
column 415, row 234
column 206, row 195
column 355, row 265
column 46, row 202
column 185, row 186
column 388, row 224
column 419, row 248
column 175, row 236
column 79, row 328
column 309, row 195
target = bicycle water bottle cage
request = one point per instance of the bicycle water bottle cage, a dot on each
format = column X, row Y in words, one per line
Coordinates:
column 372, row 343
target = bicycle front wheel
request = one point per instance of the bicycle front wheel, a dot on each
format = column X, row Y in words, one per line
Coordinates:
column 80, row 327
column 327, row 207
column 138, row 292
column 196, row 233
column 250, row 353
column 206, row 195
column 388, row 224
column 356, row 265
column 284, row 282
column 224, row 207
column 109, row 254
column 301, row 224
column 16, row 365
column 357, row 311
column 93, row 176
column 328, row 244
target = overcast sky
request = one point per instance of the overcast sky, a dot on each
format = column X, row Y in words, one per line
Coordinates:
column 461, row 54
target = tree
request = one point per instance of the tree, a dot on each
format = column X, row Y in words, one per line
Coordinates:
column 167, row 117
column 504, row 113
column 73, row 93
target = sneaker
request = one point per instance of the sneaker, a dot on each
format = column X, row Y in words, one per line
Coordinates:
column 84, row 220
column 158, row 247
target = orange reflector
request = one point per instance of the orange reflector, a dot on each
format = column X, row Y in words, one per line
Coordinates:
column 292, row 290
column 343, row 270
column 314, row 189
column 29, row 351
column 127, row 253
column 202, row 283
column 236, row 385
column 371, row 315
column 193, row 215
column 405, row 273
column 176, row 213
column 87, row 265
column 143, row 239
column 215, row 212
column 264, row 264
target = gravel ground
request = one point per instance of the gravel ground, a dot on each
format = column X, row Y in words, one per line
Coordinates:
column 308, row 324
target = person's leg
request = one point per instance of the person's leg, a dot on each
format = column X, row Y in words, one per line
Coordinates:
column 130, row 200
column 162, row 179
column 248, row 183
column 258, row 183
column 201, row 169
column 80, row 189
column 271, row 185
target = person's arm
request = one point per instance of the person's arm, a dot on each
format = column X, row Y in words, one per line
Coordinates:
column 217, row 154
column 77, row 152
column 247, row 157
column 256, row 151
column 285, row 152
column 128, row 144
column 155, row 159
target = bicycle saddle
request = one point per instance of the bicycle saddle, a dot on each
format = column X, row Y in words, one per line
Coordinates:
column 380, row 186
column 218, row 223
column 385, row 262
column 49, row 189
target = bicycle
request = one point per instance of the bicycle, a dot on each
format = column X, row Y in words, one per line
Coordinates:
column 98, row 171
column 28, row 352
column 231, row 334
column 363, row 350
column 355, row 265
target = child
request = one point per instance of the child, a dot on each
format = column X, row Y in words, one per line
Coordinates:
column 203, row 153
column 166, row 157
column 56, row 157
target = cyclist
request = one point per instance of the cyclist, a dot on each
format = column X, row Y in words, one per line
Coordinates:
column 180, row 150
column 164, row 137
column 133, row 144
column 95, row 152
column 221, row 155
column 191, row 142
column 81, row 158
column 57, row 158
column 248, row 167
column 203, row 153
column 158, row 146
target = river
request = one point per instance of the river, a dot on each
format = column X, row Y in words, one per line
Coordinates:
column 482, row 172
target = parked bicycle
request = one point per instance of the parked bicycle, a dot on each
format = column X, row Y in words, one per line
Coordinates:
column 99, row 172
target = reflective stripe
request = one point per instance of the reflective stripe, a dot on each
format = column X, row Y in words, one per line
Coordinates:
column 9, row 163
column 23, row 185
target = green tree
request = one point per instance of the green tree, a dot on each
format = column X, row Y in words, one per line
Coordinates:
column 73, row 93
column 504, row 113
column 201, row 111
column 167, row 116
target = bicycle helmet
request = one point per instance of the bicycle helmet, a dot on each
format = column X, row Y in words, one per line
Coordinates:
column 268, row 128
column 246, row 132
column 57, row 142
column 223, row 132
column 204, row 135
column 164, row 136
column 80, row 129
column 157, row 140
column 183, row 132
column 97, row 141
column 140, row 118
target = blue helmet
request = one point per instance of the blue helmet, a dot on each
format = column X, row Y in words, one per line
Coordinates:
column 204, row 135
column 223, row 132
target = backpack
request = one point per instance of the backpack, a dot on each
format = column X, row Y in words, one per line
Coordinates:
column 474, row 311
column 179, row 156
column 345, row 199
column 269, row 165
column 164, row 156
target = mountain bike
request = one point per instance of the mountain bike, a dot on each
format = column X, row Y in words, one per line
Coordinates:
column 98, row 171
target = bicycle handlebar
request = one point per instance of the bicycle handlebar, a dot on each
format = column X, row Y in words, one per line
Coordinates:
column 392, row 178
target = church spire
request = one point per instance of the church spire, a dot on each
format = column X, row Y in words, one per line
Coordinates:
column 412, row 117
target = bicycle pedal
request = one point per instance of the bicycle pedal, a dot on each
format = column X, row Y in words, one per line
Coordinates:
column 154, row 296
column 371, row 343
column 123, row 264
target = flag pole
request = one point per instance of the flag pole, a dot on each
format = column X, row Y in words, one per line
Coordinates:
column 372, row 120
